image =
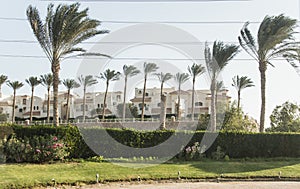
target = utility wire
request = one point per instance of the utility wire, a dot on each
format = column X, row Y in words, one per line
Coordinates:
column 121, row 42
column 158, row 22
column 121, row 58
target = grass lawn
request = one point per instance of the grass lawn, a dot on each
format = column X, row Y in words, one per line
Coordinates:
column 27, row 175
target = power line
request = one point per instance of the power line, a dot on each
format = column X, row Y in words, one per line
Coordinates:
column 122, row 58
column 156, row 22
column 122, row 42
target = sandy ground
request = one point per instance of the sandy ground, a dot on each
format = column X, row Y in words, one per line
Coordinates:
column 199, row 185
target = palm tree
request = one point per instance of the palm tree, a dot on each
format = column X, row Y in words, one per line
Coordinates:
column 108, row 75
column 128, row 71
column 180, row 78
column 216, row 60
column 32, row 82
column 3, row 79
column 163, row 77
column 47, row 81
column 219, row 86
column 148, row 68
column 15, row 85
column 69, row 84
column 195, row 70
column 86, row 81
column 64, row 28
column 274, row 39
column 241, row 83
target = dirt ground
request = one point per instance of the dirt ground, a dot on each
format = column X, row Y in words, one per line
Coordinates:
column 206, row 185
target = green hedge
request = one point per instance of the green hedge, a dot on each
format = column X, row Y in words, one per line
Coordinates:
column 5, row 131
column 234, row 144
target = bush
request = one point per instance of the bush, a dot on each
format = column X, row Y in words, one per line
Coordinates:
column 233, row 144
column 37, row 149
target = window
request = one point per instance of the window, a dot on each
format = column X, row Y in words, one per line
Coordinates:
column 198, row 104
column 147, row 94
column 140, row 92
column 101, row 105
column 20, row 110
column 140, row 106
column 118, row 97
column 37, row 108
column 98, row 105
column 24, row 101
column 158, row 104
column 33, row 107
column 24, row 109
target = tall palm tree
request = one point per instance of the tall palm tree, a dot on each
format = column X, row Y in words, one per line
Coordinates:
column 32, row 82
column 274, row 39
column 241, row 83
column 195, row 70
column 63, row 29
column 108, row 75
column 47, row 81
column 85, row 82
column 128, row 71
column 15, row 85
column 69, row 84
column 163, row 77
column 148, row 69
column 180, row 78
column 3, row 79
column 216, row 60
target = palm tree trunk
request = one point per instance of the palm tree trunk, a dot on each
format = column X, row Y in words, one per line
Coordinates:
column 193, row 100
column 83, row 108
column 213, row 115
column 13, row 107
column 104, row 101
column 48, row 105
column 163, row 99
column 178, row 105
column 68, row 105
column 239, row 99
column 31, row 104
column 143, row 99
column 55, row 72
column 262, row 69
column 0, row 91
column 124, row 100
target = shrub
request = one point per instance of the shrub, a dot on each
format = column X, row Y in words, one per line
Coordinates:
column 218, row 154
column 38, row 149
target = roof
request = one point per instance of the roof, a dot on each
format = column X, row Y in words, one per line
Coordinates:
column 4, row 103
column 147, row 99
column 34, row 113
column 181, row 92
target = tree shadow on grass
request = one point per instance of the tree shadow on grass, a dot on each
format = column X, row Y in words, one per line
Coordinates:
column 236, row 167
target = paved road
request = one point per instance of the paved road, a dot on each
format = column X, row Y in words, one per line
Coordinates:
column 210, row 185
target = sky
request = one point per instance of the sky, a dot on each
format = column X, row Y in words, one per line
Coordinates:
column 21, row 57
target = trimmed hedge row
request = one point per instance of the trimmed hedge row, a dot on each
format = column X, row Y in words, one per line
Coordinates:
column 234, row 144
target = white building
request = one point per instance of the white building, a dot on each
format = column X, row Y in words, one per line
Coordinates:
column 94, row 103
column 201, row 104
